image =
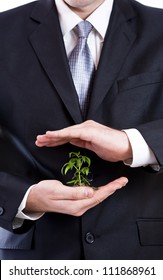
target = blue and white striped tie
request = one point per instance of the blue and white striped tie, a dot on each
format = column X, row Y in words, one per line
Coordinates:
column 82, row 65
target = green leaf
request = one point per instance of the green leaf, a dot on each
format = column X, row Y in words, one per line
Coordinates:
column 85, row 170
column 71, row 163
column 68, row 167
column 70, row 182
column 73, row 154
column 73, row 182
column 88, row 161
column 63, row 167
column 79, row 163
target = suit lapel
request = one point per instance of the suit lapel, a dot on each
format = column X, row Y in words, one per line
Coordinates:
column 48, row 44
column 118, row 41
column 49, row 47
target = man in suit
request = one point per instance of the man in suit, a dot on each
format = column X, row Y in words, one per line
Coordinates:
column 40, row 217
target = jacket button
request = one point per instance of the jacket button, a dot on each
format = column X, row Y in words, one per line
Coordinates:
column 1, row 211
column 89, row 237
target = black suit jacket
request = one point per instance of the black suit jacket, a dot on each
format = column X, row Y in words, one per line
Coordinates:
column 37, row 94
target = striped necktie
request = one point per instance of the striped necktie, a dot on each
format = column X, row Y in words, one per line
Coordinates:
column 82, row 65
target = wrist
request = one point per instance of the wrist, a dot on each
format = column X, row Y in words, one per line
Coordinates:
column 32, row 201
column 127, row 149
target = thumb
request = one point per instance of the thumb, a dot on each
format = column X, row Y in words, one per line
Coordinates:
column 105, row 191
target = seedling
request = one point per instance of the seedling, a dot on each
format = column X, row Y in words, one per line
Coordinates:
column 81, row 166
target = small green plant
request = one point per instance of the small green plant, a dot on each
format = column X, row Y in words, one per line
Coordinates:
column 81, row 165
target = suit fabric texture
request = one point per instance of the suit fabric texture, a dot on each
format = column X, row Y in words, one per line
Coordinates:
column 37, row 94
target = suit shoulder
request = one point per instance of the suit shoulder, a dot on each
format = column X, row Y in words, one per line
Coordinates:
column 19, row 15
column 20, row 10
column 13, row 19
column 147, row 12
column 27, row 8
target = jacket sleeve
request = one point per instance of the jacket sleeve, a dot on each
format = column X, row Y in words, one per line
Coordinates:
column 12, row 189
column 153, row 135
column 18, row 171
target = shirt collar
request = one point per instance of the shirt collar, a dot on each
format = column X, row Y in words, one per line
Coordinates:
column 99, row 18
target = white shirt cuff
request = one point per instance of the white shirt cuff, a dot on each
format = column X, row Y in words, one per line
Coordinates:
column 21, row 216
column 142, row 154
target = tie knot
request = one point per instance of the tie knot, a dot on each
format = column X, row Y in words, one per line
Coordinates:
column 84, row 28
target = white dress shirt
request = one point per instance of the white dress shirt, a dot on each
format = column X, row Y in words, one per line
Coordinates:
column 99, row 19
column 142, row 154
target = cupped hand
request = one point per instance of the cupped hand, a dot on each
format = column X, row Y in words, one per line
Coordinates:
column 53, row 196
column 109, row 144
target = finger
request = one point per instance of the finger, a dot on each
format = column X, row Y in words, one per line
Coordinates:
column 48, row 143
column 73, row 193
column 40, row 140
column 102, row 193
column 83, row 144
column 69, row 133
column 79, row 207
column 44, row 140
column 77, row 134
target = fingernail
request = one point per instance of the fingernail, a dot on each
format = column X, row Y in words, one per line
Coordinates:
column 125, row 183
